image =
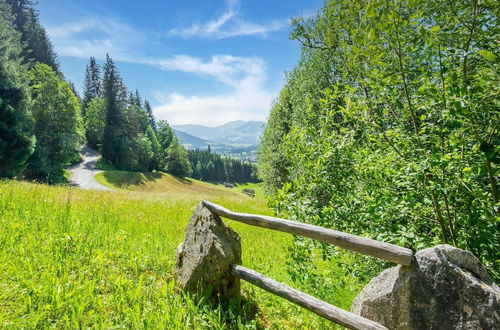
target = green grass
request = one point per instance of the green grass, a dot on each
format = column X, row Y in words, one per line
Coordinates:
column 104, row 165
column 67, row 175
column 71, row 258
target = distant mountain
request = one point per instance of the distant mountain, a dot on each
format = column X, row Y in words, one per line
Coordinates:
column 191, row 142
column 236, row 132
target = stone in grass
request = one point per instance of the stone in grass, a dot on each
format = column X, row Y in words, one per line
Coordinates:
column 204, row 259
column 444, row 288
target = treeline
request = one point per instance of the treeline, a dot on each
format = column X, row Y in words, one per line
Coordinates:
column 208, row 166
column 388, row 126
column 41, row 128
column 44, row 124
column 124, row 129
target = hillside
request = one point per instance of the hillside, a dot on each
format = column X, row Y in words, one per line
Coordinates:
column 168, row 185
column 235, row 132
column 190, row 141
column 75, row 258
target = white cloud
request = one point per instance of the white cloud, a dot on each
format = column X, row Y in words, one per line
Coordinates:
column 228, row 25
column 96, row 36
column 214, row 110
column 249, row 100
column 246, row 76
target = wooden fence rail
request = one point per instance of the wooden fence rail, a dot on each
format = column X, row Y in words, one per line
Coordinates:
column 377, row 249
column 329, row 312
column 359, row 244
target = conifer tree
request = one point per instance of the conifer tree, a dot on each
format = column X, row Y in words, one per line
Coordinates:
column 116, row 145
column 16, row 137
column 92, row 82
column 151, row 117
column 137, row 99
column 37, row 47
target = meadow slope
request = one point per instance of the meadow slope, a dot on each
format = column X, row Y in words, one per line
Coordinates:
column 73, row 258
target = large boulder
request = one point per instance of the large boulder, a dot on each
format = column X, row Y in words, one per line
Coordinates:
column 205, row 257
column 444, row 288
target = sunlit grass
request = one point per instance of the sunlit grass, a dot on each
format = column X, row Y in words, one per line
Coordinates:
column 71, row 258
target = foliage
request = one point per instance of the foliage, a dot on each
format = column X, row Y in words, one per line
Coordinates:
column 402, row 145
column 116, row 145
column 154, row 162
column 209, row 166
column 172, row 156
column 131, row 139
column 149, row 111
column 16, row 137
column 37, row 47
column 92, row 83
column 58, row 125
column 165, row 134
column 176, row 161
column 95, row 120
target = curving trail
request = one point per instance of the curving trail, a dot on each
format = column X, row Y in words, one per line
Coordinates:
column 83, row 174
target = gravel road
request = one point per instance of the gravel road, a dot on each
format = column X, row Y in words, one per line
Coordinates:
column 83, row 175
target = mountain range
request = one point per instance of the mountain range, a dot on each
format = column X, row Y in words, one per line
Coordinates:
column 235, row 134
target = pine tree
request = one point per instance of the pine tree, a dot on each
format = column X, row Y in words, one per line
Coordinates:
column 16, row 137
column 151, row 117
column 137, row 99
column 37, row 47
column 116, row 145
column 92, row 82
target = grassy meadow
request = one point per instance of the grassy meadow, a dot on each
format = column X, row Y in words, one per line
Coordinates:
column 72, row 258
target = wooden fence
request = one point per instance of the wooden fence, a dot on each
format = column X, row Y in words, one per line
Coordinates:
column 381, row 250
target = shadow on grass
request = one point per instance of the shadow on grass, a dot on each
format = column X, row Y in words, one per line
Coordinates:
column 183, row 180
column 239, row 310
column 122, row 179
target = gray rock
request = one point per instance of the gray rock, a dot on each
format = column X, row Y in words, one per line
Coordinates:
column 445, row 288
column 205, row 256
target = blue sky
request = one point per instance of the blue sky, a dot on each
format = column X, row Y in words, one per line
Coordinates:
column 200, row 62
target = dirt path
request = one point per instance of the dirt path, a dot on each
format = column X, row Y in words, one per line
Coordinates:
column 84, row 173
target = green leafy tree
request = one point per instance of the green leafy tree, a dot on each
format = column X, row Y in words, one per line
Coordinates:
column 144, row 152
column 165, row 135
column 16, row 135
column 95, row 121
column 176, row 161
column 58, row 125
column 401, row 143
column 137, row 131
column 154, row 163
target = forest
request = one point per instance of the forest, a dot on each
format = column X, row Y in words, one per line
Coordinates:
column 46, row 122
column 209, row 166
column 388, row 127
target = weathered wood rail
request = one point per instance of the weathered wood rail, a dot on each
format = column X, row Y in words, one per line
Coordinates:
column 377, row 249
column 329, row 312
column 381, row 250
